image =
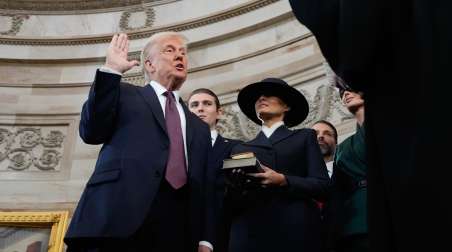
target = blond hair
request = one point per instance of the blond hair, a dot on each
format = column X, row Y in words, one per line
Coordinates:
column 154, row 40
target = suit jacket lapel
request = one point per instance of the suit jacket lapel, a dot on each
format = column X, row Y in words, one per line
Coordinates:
column 280, row 134
column 219, row 146
column 149, row 95
column 188, row 126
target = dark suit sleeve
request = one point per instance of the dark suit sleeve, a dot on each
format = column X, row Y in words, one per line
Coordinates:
column 211, row 220
column 316, row 183
column 99, row 111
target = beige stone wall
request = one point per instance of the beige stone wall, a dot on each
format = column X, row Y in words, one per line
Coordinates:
column 48, row 60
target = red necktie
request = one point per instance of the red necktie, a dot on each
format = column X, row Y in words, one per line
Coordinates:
column 176, row 173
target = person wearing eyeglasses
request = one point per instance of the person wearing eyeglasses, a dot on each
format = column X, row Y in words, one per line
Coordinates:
column 147, row 191
column 346, row 210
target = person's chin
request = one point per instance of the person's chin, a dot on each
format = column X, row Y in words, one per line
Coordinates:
column 180, row 76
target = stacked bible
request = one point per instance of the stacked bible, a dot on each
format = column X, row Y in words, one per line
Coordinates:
column 238, row 168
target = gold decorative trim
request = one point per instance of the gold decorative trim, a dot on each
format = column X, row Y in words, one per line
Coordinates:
column 142, row 33
column 10, row 218
column 56, row 221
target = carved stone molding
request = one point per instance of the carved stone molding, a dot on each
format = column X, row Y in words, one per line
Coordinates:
column 35, row 148
column 146, row 32
column 202, row 43
column 137, row 78
column 31, row 148
column 16, row 24
column 67, row 5
column 124, row 22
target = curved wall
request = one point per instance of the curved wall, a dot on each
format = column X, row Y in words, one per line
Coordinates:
column 47, row 66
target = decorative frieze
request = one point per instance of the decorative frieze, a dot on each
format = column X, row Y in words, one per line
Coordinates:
column 16, row 22
column 145, row 33
column 36, row 147
column 25, row 148
column 145, row 21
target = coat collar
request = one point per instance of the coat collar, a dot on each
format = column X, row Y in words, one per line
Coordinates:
column 260, row 140
column 280, row 134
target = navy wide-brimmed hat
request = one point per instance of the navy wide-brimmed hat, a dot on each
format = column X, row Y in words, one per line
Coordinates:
column 299, row 107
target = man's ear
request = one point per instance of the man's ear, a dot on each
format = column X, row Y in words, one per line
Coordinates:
column 149, row 66
column 220, row 111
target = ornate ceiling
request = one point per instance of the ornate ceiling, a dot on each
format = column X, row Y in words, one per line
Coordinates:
column 68, row 5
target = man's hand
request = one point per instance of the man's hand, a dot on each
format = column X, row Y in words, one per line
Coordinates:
column 117, row 54
column 270, row 178
column 202, row 248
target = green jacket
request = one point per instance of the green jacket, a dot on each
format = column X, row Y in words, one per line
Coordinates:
column 351, row 167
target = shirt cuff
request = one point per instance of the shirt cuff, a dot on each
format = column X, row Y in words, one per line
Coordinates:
column 207, row 244
column 109, row 70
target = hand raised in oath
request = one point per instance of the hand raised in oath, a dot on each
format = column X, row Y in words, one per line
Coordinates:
column 117, row 54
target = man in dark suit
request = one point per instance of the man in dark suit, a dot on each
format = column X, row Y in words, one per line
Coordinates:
column 205, row 104
column 147, row 192
column 399, row 54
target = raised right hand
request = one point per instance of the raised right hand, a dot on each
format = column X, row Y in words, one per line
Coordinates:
column 117, row 54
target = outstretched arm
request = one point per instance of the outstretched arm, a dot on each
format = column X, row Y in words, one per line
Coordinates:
column 99, row 111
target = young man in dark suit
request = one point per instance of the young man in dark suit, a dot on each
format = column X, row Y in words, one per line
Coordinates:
column 205, row 104
column 147, row 189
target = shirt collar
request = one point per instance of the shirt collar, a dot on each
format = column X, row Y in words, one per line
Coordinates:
column 160, row 90
column 268, row 131
column 213, row 136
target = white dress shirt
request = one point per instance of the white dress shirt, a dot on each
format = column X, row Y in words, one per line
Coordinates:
column 329, row 167
column 213, row 136
column 268, row 131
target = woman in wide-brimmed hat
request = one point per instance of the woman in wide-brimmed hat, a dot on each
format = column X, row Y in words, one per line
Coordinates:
column 278, row 213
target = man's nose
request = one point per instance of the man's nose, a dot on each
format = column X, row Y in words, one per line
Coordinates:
column 178, row 55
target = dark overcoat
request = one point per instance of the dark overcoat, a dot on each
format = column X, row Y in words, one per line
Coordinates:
column 282, row 218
